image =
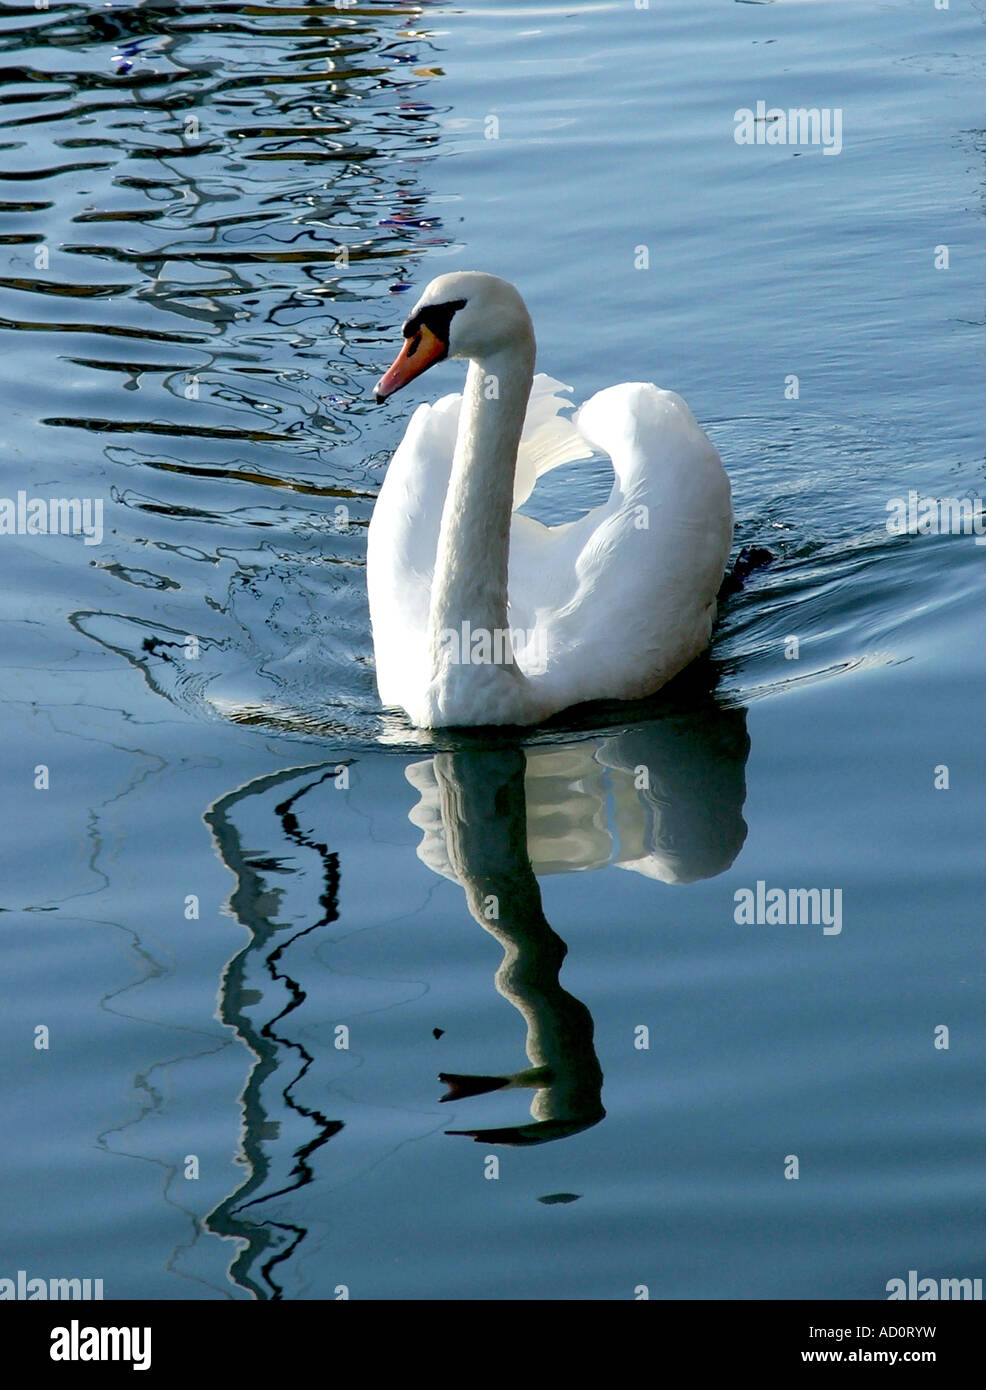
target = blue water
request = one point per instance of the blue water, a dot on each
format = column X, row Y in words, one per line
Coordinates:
column 234, row 909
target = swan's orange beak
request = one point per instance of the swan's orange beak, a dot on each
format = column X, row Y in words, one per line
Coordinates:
column 419, row 352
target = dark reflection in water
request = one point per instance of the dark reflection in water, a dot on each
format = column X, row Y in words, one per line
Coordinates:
column 663, row 799
column 281, row 1059
column 484, row 827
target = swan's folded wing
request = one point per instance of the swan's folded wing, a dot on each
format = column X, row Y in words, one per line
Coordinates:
column 549, row 438
column 403, row 540
column 642, row 570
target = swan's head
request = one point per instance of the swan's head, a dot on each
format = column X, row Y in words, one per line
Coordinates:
column 465, row 314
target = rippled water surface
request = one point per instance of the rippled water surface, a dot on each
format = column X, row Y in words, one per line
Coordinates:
column 248, row 913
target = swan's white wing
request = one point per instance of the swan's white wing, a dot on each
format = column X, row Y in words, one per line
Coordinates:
column 623, row 599
column 549, row 438
column 403, row 536
column 402, row 542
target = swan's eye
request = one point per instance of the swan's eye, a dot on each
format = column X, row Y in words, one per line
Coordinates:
column 437, row 318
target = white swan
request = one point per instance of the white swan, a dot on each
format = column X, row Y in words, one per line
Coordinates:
column 607, row 607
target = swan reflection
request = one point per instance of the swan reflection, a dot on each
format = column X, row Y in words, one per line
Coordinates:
column 662, row 799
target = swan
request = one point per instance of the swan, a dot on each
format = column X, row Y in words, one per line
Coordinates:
column 483, row 615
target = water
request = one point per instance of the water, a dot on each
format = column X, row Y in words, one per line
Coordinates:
column 238, row 205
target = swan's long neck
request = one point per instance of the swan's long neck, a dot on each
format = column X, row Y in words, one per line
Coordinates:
column 470, row 580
